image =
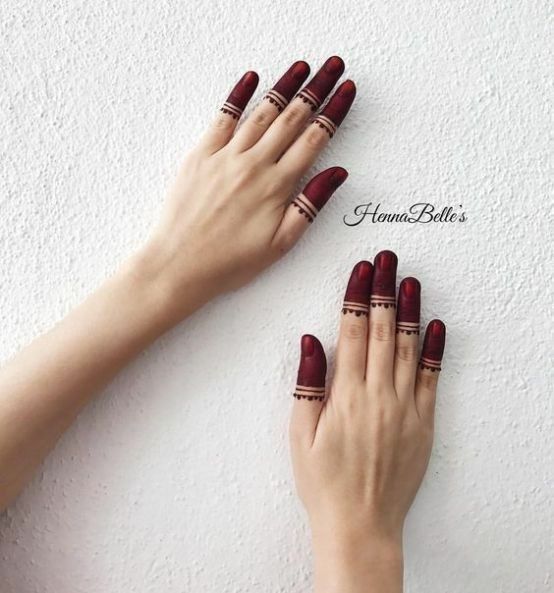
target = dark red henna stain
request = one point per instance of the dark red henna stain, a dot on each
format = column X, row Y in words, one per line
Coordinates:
column 318, row 191
column 433, row 346
column 407, row 316
column 288, row 85
column 356, row 299
column 240, row 95
column 336, row 109
column 383, row 288
column 322, row 83
column 310, row 383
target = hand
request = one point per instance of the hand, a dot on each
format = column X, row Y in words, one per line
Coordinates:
column 229, row 213
column 360, row 452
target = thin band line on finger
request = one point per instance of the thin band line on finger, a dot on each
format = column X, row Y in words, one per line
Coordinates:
column 318, row 191
column 433, row 346
column 240, row 95
column 322, row 83
column 285, row 88
column 336, row 109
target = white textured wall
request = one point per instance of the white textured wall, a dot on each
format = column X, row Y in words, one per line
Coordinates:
column 178, row 479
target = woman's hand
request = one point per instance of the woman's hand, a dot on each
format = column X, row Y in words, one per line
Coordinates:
column 360, row 449
column 229, row 214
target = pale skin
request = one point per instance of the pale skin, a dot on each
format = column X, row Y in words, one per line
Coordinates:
column 359, row 457
column 227, row 218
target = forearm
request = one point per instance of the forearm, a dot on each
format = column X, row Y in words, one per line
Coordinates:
column 45, row 386
column 357, row 565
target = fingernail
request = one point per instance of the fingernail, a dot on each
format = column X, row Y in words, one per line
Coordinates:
column 300, row 70
column 364, row 270
column 336, row 110
column 347, row 89
column 356, row 298
column 338, row 177
column 250, row 80
column 407, row 319
column 334, row 65
column 307, row 346
column 383, row 289
column 433, row 346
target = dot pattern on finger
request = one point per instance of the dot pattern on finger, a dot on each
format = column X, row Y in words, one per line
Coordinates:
column 433, row 346
column 407, row 317
column 322, row 83
column 318, row 191
column 356, row 299
column 240, row 95
column 336, row 109
column 383, row 289
column 287, row 85
column 310, row 383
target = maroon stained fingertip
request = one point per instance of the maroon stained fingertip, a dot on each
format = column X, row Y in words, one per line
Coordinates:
column 383, row 287
column 322, row 83
column 318, row 191
column 407, row 315
column 333, row 114
column 310, row 384
column 358, row 290
column 240, row 95
column 286, row 87
column 433, row 346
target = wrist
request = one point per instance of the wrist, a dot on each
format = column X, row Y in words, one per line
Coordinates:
column 175, row 290
column 348, row 561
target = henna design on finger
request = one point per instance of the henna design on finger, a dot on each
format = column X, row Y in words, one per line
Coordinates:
column 321, row 84
column 318, row 191
column 336, row 109
column 433, row 346
column 407, row 317
column 240, row 95
column 356, row 299
column 310, row 384
column 287, row 85
column 383, row 288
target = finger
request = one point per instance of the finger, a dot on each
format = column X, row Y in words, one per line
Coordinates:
column 288, row 125
column 272, row 104
column 301, row 212
column 429, row 369
column 382, row 322
column 407, row 337
column 221, row 129
column 352, row 346
column 309, row 393
column 302, row 154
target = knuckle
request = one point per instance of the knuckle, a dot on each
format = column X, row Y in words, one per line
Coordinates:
column 406, row 352
column 316, row 138
column 223, row 122
column 292, row 116
column 260, row 118
column 355, row 330
column 428, row 380
column 382, row 331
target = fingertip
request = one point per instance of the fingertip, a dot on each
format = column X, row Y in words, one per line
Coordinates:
column 334, row 65
column 321, row 187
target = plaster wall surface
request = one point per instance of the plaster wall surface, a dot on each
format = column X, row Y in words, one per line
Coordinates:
column 178, row 477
